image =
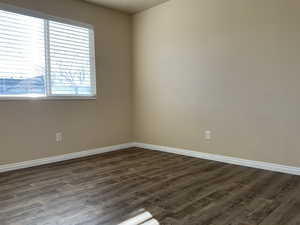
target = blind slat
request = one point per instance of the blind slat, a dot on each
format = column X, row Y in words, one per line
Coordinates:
column 70, row 50
column 69, row 35
column 66, row 46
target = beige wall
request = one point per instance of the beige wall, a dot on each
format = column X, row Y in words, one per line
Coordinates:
column 230, row 66
column 28, row 128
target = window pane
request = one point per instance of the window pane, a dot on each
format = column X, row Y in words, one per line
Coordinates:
column 70, row 60
column 22, row 58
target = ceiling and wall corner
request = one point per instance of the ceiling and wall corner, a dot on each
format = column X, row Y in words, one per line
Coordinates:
column 129, row 6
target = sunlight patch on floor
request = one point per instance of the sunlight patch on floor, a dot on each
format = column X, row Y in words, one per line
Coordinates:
column 144, row 218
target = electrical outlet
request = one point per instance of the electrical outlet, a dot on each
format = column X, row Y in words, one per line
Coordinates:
column 59, row 137
column 207, row 135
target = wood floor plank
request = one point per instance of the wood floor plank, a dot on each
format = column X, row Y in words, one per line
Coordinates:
column 110, row 188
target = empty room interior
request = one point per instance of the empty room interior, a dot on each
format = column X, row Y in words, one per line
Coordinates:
column 149, row 112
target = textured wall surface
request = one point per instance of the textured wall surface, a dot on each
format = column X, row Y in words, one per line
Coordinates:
column 28, row 127
column 232, row 67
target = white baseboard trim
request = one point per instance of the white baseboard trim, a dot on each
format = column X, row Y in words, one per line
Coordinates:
column 53, row 159
column 224, row 159
column 196, row 154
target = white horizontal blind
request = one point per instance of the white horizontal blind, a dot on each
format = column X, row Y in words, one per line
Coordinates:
column 71, row 71
column 22, row 59
column 45, row 56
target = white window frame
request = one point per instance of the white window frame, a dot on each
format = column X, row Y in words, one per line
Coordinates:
column 46, row 17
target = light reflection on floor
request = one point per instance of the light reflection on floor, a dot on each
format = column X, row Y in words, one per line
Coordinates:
column 144, row 218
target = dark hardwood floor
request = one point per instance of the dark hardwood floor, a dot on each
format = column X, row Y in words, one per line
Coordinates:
column 176, row 190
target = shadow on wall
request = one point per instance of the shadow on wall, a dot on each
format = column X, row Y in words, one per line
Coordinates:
column 143, row 218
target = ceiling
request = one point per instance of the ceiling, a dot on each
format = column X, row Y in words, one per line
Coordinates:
column 130, row 6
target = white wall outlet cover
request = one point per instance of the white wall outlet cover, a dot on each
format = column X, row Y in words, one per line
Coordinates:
column 207, row 134
column 59, row 137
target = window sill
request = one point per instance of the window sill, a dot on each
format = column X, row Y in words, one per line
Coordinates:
column 52, row 98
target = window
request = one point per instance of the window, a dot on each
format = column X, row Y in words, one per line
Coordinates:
column 42, row 57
